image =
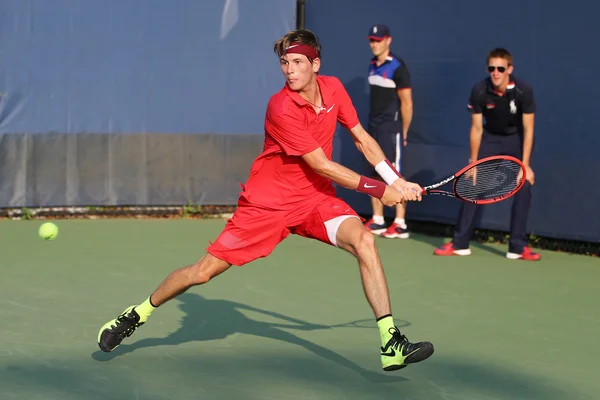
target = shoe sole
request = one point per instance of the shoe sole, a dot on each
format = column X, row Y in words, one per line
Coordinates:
column 516, row 256
column 396, row 236
column 461, row 252
column 377, row 231
column 395, row 367
column 107, row 326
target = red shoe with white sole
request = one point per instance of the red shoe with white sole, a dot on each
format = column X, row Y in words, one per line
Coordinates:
column 526, row 255
column 395, row 231
column 448, row 250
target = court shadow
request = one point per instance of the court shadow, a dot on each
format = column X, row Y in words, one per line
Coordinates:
column 206, row 320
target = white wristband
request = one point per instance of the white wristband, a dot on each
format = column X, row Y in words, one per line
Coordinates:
column 387, row 173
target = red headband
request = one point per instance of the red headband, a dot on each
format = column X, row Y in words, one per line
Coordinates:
column 304, row 49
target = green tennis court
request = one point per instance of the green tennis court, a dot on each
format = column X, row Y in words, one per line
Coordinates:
column 502, row 329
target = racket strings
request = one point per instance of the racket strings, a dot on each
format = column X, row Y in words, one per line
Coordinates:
column 489, row 180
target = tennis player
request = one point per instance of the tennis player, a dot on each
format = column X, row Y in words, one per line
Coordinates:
column 290, row 190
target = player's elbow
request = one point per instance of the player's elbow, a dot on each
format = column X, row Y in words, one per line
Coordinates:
column 322, row 167
column 476, row 131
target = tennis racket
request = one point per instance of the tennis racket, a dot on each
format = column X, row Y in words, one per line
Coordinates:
column 489, row 180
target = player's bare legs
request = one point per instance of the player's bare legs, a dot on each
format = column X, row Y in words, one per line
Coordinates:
column 113, row 332
column 354, row 238
column 400, row 211
column 396, row 350
column 184, row 278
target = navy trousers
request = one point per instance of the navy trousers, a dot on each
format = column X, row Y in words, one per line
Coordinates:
column 496, row 145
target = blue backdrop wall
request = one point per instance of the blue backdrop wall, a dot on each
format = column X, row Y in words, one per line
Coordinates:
column 444, row 45
column 150, row 102
column 134, row 102
column 127, row 66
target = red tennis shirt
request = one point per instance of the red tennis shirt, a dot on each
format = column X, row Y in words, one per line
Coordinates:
column 279, row 178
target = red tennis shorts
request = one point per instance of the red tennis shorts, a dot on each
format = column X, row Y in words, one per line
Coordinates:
column 254, row 232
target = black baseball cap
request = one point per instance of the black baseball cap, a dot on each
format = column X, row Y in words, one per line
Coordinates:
column 379, row 32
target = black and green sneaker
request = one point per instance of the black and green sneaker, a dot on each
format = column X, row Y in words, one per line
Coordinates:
column 398, row 351
column 113, row 332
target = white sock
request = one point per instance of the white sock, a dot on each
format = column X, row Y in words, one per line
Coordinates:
column 400, row 222
column 378, row 219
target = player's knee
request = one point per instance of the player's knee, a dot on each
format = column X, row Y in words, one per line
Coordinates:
column 205, row 269
column 365, row 243
column 199, row 274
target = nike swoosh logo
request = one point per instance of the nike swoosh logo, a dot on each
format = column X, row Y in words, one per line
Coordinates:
column 368, row 186
column 331, row 108
column 391, row 353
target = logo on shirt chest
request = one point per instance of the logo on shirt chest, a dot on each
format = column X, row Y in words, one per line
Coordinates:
column 513, row 107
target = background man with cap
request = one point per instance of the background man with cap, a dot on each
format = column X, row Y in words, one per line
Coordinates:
column 390, row 114
column 502, row 111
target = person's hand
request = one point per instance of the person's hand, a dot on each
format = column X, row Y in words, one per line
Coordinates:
column 412, row 191
column 401, row 191
column 392, row 196
column 472, row 174
column 530, row 175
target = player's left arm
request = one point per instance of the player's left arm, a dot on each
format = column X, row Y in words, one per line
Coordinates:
column 528, row 128
column 404, row 91
column 374, row 154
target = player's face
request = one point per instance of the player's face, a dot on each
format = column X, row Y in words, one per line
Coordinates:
column 298, row 70
column 379, row 47
column 499, row 71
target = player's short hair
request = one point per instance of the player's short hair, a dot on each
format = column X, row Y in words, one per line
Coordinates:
column 302, row 36
column 500, row 52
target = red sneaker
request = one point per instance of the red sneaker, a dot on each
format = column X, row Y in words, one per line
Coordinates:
column 395, row 231
column 526, row 255
column 448, row 250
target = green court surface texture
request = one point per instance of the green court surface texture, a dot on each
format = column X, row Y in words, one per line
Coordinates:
column 280, row 327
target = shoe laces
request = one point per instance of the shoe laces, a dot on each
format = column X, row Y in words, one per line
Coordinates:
column 397, row 340
column 125, row 325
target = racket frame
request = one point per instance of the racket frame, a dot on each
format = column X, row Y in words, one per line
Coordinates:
column 431, row 189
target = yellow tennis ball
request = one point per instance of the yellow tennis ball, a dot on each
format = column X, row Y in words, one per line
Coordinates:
column 48, row 231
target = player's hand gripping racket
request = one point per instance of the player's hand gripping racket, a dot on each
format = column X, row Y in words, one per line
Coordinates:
column 489, row 180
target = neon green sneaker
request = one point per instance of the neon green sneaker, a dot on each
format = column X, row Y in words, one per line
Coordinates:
column 399, row 352
column 113, row 332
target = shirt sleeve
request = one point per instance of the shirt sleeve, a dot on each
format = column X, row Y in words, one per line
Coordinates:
column 528, row 105
column 475, row 105
column 347, row 115
column 402, row 77
column 289, row 130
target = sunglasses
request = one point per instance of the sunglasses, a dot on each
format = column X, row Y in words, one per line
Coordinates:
column 492, row 68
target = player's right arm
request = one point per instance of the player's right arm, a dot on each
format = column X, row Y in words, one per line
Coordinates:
column 287, row 127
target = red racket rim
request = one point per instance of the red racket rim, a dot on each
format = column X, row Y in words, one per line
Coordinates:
column 499, row 197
